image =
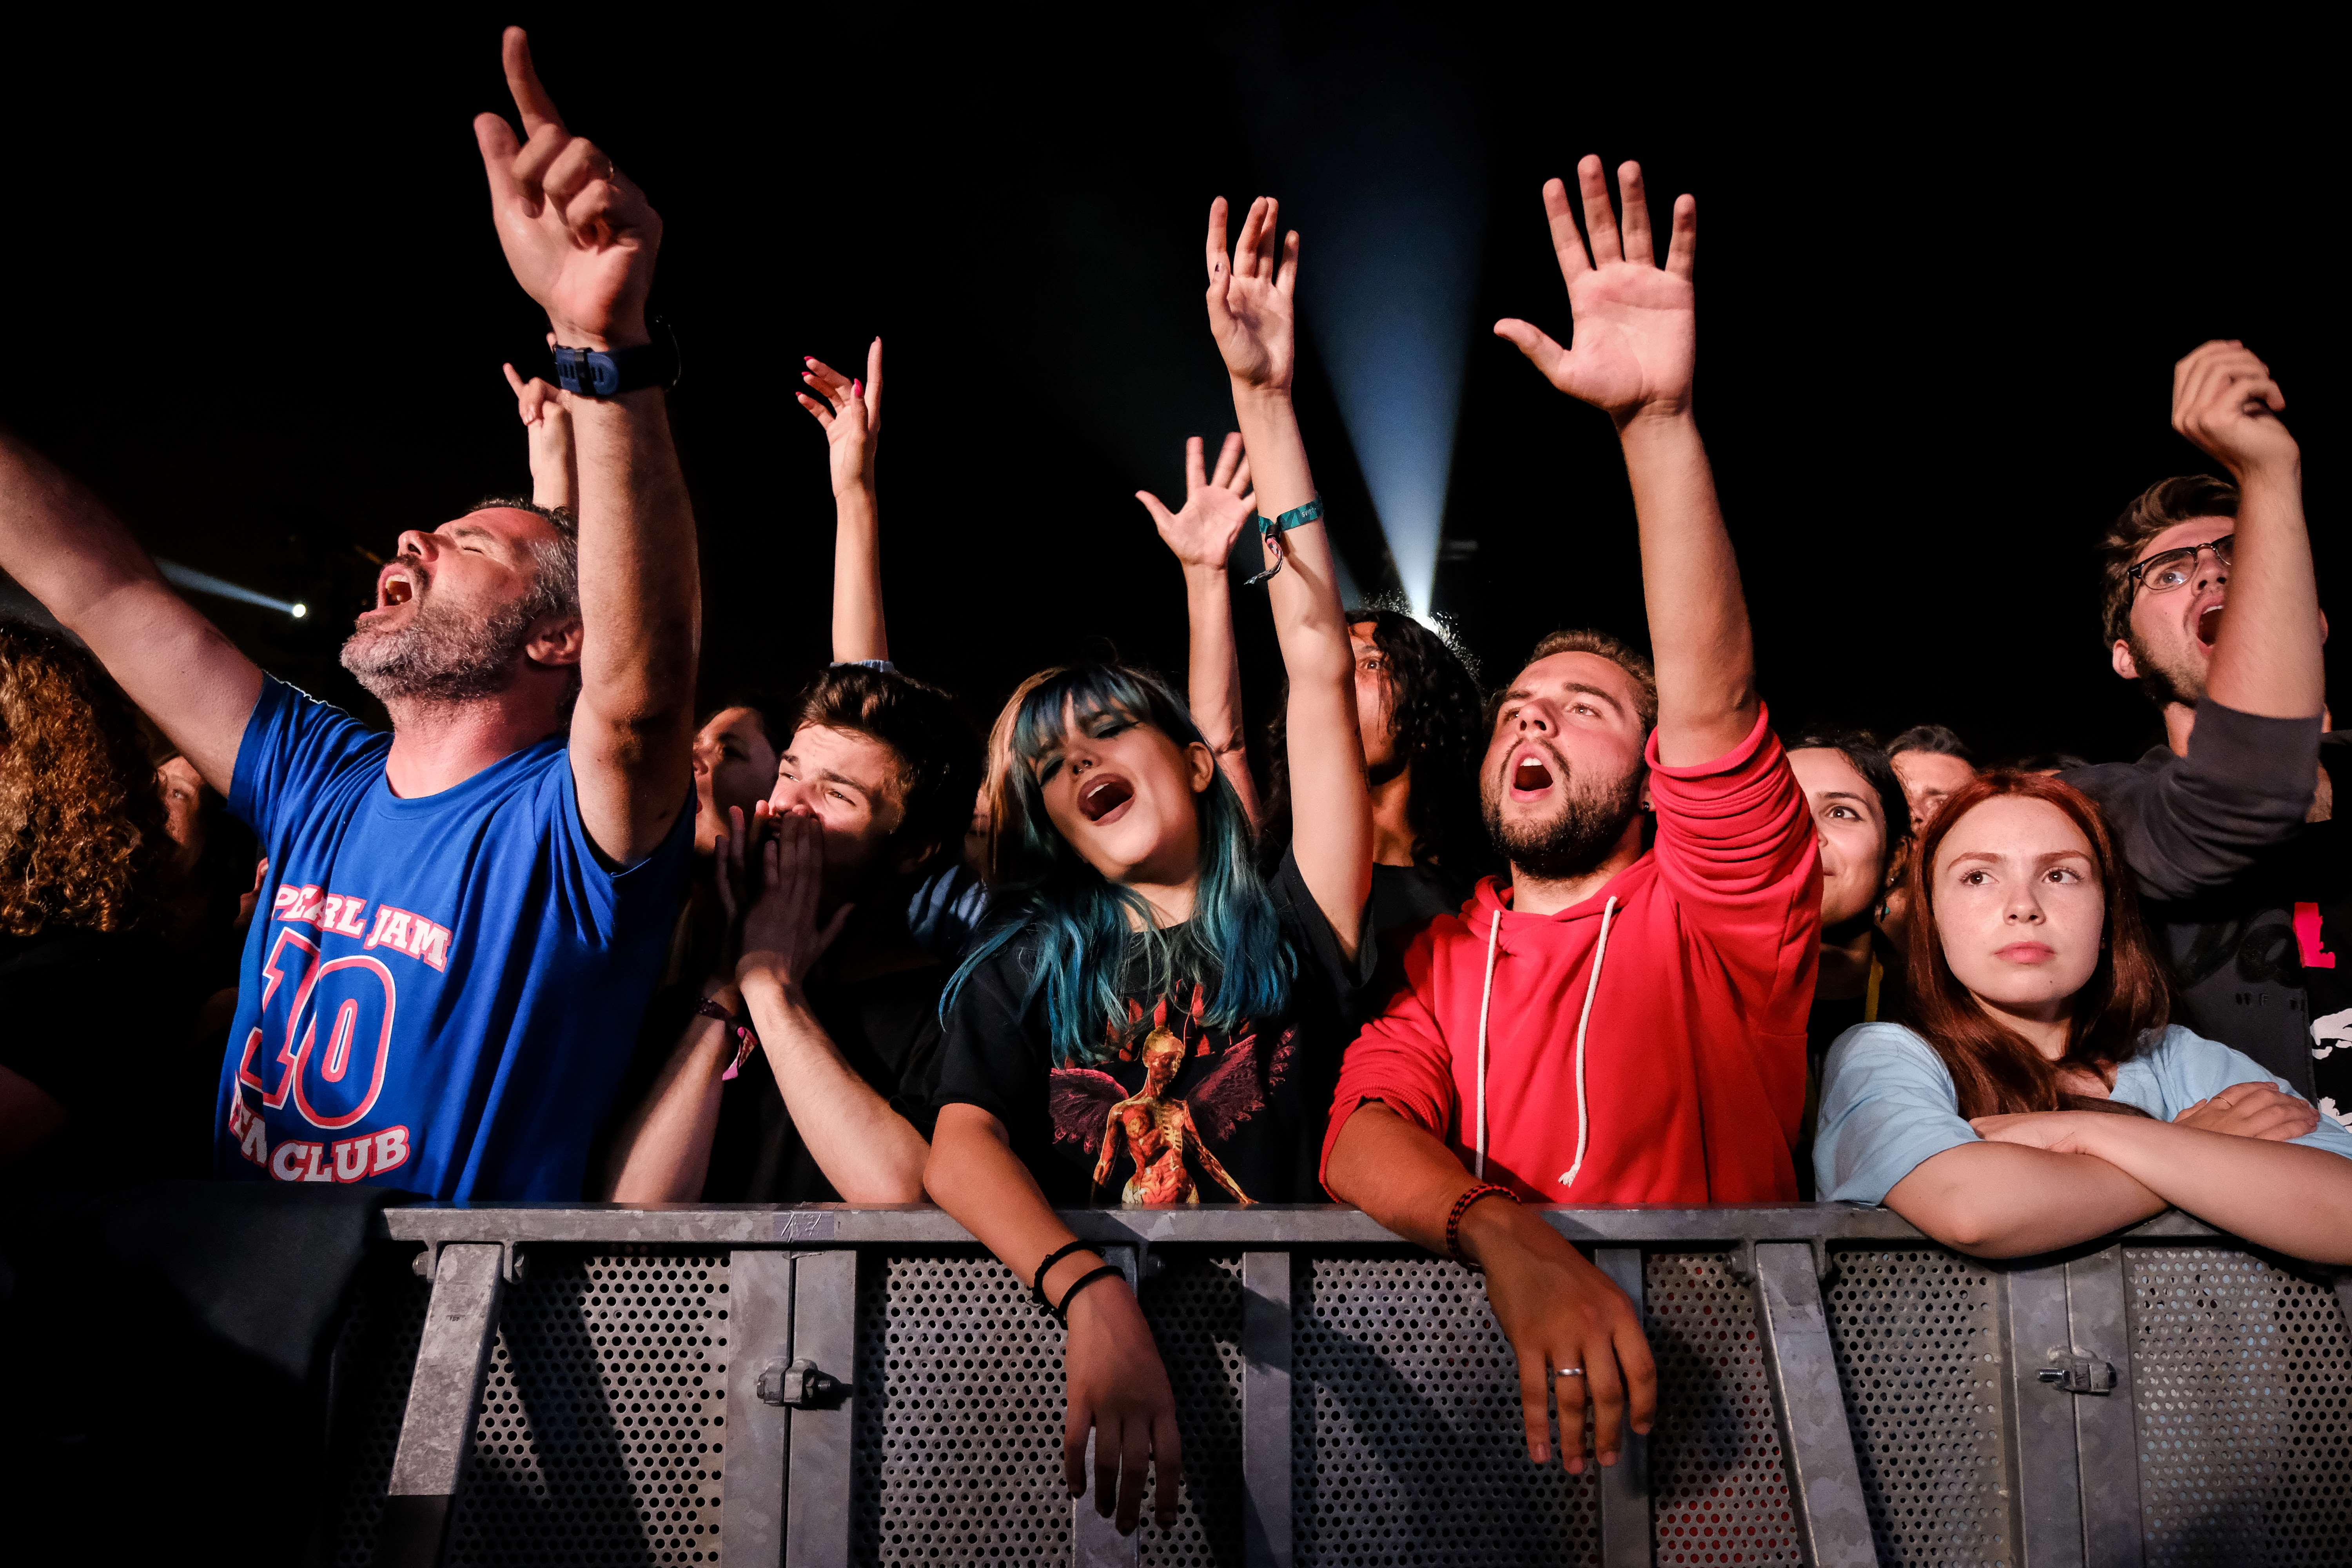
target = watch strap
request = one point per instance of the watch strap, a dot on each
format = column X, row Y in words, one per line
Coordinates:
column 610, row 372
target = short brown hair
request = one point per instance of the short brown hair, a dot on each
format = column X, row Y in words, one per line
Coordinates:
column 1602, row 646
column 2153, row 510
column 81, row 823
column 938, row 755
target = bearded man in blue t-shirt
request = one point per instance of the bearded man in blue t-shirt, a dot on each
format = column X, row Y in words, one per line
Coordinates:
column 466, row 915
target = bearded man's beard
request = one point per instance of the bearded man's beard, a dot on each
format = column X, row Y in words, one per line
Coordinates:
column 442, row 655
column 1584, row 831
column 2164, row 687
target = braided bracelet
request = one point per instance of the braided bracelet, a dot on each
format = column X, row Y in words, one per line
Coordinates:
column 1462, row 1206
column 1037, row 1280
column 1107, row 1271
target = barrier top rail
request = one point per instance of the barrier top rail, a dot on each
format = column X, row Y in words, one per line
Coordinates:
column 1259, row 1225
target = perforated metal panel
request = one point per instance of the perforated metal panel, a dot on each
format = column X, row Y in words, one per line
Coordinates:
column 1719, row 1488
column 375, row 1360
column 960, row 1459
column 1194, row 1304
column 1917, row 1334
column 2240, row 1372
column 1407, row 1446
column 601, row 1433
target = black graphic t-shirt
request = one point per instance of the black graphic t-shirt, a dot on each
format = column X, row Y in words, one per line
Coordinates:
column 1174, row 1111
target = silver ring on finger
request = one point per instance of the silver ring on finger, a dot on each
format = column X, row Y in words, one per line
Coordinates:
column 1570, row 1372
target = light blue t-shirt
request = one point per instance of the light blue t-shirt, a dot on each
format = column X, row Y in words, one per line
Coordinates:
column 1888, row 1104
column 440, row 995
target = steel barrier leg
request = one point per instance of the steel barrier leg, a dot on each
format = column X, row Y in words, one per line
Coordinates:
column 759, row 1436
column 436, row 1434
column 1826, row 1481
column 1095, row 1540
column 817, row 1450
column 2107, row 1434
column 2046, row 1451
column 1625, row 1485
column 1266, row 1409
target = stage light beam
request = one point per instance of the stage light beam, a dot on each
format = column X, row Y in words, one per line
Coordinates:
column 196, row 582
column 1382, row 166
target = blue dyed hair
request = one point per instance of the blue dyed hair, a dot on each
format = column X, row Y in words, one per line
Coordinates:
column 1080, row 922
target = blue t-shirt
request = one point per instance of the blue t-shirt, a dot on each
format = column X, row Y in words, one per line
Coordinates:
column 439, row 995
column 1888, row 1104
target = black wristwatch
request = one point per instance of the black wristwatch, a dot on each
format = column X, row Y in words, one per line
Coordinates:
column 597, row 372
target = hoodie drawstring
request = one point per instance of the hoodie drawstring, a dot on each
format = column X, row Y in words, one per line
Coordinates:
column 1584, row 1121
column 1486, row 1001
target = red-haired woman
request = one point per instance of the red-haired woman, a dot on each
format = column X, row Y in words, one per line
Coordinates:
column 2039, row 1013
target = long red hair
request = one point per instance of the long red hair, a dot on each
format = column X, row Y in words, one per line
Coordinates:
column 1994, row 1068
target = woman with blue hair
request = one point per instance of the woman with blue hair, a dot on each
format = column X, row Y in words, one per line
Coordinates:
column 1148, row 1018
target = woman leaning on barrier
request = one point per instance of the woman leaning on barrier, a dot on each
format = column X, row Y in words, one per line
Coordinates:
column 2040, row 1099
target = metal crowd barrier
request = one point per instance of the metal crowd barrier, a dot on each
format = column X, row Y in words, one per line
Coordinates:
column 833, row 1386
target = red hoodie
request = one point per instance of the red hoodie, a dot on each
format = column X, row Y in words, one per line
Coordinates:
column 1693, row 1076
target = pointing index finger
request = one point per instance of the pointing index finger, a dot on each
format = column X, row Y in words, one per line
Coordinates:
column 522, row 80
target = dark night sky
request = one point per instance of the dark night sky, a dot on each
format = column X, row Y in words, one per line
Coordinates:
column 258, row 302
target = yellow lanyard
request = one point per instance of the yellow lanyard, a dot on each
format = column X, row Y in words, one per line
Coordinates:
column 1870, row 997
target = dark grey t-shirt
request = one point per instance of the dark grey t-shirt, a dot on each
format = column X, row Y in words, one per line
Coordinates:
column 2233, row 881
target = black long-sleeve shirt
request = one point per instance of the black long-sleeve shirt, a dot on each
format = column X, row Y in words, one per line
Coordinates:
column 2246, row 900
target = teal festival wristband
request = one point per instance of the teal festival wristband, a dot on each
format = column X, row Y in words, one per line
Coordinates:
column 1272, row 528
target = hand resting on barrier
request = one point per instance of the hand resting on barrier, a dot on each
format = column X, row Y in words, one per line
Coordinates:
column 1567, row 1322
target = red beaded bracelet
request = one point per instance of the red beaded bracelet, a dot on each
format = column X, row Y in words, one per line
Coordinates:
column 1462, row 1206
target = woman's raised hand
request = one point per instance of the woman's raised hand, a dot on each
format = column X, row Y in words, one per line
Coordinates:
column 851, row 413
column 546, row 423
column 1250, row 297
column 1217, row 506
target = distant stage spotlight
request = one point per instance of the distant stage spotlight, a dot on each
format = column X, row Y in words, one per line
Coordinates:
column 196, row 582
column 1381, row 164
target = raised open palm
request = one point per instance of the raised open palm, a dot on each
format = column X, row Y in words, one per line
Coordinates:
column 1217, row 507
column 1250, row 298
column 579, row 236
column 1635, row 338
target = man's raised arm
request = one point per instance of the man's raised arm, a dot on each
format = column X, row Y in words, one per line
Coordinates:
column 580, row 238
column 1634, row 349
column 2266, row 654
column 59, row 541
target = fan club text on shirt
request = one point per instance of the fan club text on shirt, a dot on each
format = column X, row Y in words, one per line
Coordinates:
column 362, row 995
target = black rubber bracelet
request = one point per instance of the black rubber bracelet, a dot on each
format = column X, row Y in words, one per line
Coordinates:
column 1107, row 1271
column 1037, row 1280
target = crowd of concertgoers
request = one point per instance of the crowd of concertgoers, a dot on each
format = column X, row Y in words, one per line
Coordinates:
column 1602, row 936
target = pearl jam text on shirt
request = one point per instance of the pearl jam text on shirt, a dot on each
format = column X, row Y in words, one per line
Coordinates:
column 362, row 996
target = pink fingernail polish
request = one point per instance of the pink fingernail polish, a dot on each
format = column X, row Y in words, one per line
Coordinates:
column 857, row 389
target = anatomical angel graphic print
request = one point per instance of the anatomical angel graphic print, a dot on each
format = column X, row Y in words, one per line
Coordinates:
column 1160, row 1133
column 1169, row 1109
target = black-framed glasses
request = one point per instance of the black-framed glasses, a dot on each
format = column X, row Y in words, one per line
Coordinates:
column 2170, row 569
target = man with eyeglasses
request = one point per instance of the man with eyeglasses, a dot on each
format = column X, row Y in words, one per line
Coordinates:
column 2211, row 607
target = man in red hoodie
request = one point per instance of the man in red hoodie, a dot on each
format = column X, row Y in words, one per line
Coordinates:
column 1619, row 1025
